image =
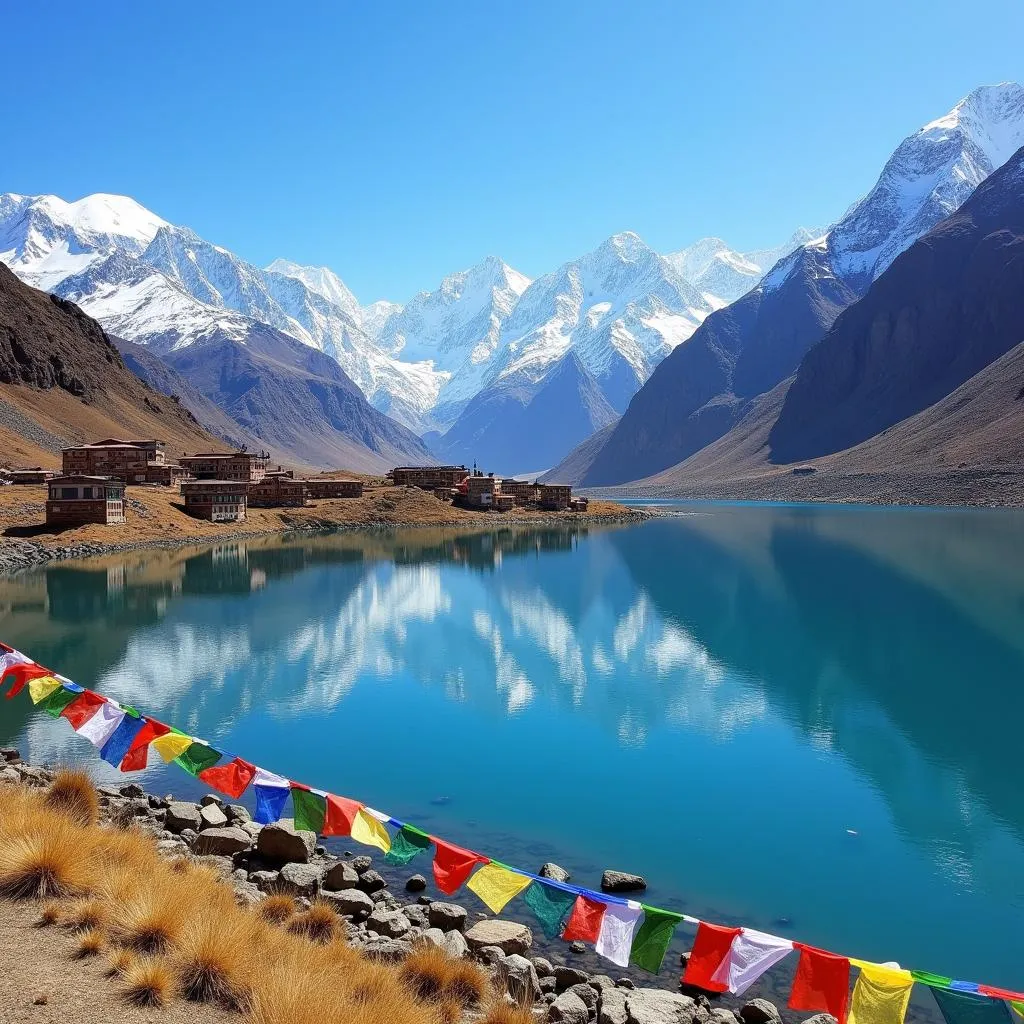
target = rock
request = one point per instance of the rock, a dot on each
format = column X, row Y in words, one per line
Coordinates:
column 417, row 883
column 221, row 842
column 300, row 879
column 237, row 814
column 212, row 817
column 655, row 1006
column 600, row 982
column 390, row 951
column 455, row 945
column 542, row 966
column 211, row 800
column 821, row 1018
column 520, row 980
column 759, row 1011
column 554, row 871
column 627, row 983
column 361, row 863
column 353, row 902
column 587, row 994
column 252, row 827
column 340, row 876
column 447, row 916
column 548, row 997
column 246, row 894
column 371, row 881
column 170, row 847
column 182, row 816
column 547, row 985
column 10, row 754
column 265, row 881
column 568, row 1008
column 720, row 1015
column 189, row 835
column 612, row 1006
column 434, row 936
column 385, row 899
column 417, row 915
column 621, row 881
column 508, row 936
column 392, row 923
column 566, row 977
column 8, row 774
column 489, row 955
column 578, row 947
column 281, row 843
column 132, row 789
column 222, row 865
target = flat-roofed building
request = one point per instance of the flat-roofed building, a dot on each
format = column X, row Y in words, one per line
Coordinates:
column 554, row 497
column 76, row 499
column 136, row 462
column 524, row 493
column 249, row 467
column 428, row 477
column 277, row 491
column 220, row 501
column 35, row 475
column 334, row 488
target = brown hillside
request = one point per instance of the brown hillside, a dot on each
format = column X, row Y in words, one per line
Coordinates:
column 62, row 381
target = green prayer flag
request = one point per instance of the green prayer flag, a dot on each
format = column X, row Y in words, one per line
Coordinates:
column 406, row 844
column 197, row 758
column 1018, row 1008
column 968, row 1008
column 310, row 810
column 932, row 980
column 57, row 701
column 551, row 905
column 652, row 938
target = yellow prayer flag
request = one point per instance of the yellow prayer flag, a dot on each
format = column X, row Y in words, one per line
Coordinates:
column 881, row 995
column 367, row 829
column 171, row 745
column 496, row 885
column 41, row 688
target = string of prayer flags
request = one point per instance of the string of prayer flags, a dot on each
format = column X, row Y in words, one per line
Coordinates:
column 496, row 884
column 881, row 995
column 584, row 922
column 341, row 815
column 18, row 675
column 710, row 949
column 619, row 923
column 271, row 795
column 407, row 843
column 551, row 905
column 651, row 941
column 55, row 704
column 120, row 740
column 453, row 865
column 310, row 808
column 958, row 1007
column 79, row 711
column 137, row 755
column 99, row 727
column 172, row 745
column 822, row 983
column 369, row 829
column 231, row 778
column 197, row 757
column 750, row 955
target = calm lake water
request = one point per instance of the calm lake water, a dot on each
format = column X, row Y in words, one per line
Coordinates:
column 807, row 720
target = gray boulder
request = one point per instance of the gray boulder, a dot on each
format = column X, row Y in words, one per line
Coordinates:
column 720, row 1015
column 519, row 978
column 600, row 982
column 211, row 816
column 821, row 1018
column 417, row 915
column 587, row 994
column 391, row 923
column 361, row 863
column 447, row 916
column 568, row 1008
column 237, row 814
column 371, row 881
column 389, row 951
column 508, row 936
column 221, row 842
column 455, row 945
column 281, row 843
column 340, row 876
column 417, row 883
column 265, row 881
column 656, row 1006
column 182, row 816
column 566, row 977
column 554, row 871
column 246, row 894
column 542, row 966
column 759, row 1011
column 434, row 936
column 622, row 881
column 300, row 879
column 353, row 902
column 612, row 1007
column 210, row 798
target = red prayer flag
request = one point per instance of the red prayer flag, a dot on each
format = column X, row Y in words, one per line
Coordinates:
column 585, row 920
column 82, row 708
column 453, row 865
column 822, row 983
column 341, row 813
column 138, row 752
column 231, row 778
column 710, row 948
column 1001, row 993
column 19, row 675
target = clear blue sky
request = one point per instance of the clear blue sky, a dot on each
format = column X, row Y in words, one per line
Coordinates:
column 398, row 141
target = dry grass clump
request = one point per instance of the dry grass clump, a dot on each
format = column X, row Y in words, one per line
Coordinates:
column 120, row 960
column 503, row 1013
column 148, row 982
column 431, row 975
column 213, row 958
column 277, row 908
column 91, row 943
column 467, row 984
column 85, row 914
column 148, row 914
column 318, row 924
column 46, row 858
column 73, row 793
column 50, row 914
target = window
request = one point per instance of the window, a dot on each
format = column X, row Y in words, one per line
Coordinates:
column 69, row 492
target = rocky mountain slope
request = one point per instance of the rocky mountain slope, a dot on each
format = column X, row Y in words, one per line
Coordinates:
column 706, row 386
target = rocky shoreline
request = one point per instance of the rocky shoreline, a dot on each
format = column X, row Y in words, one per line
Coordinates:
column 257, row 860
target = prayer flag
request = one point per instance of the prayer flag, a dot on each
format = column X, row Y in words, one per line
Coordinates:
column 495, row 884
column 41, row 687
column 18, row 675
column 881, row 995
column 100, row 726
column 617, row 927
column 172, row 745
column 452, row 865
column 197, row 757
column 120, row 740
column 822, row 983
column 585, row 920
column 1001, row 993
column 10, row 658
column 1018, row 1007
column 55, row 704
column 79, row 711
column 231, row 778
column 368, row 829
column 310, row 809
column 271, row 795
column 932, row 980
column 970, row 1008
column 652, row 938
column 341, row 815
column 407, row 843
column 551, row 905
column 750, row 955
column 710, row 951
column 138, row 753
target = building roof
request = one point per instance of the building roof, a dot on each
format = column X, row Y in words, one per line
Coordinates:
column 81, row 478
column 216, row 483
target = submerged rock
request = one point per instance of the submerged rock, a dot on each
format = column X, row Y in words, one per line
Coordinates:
column 622, row 881
column 554, row 871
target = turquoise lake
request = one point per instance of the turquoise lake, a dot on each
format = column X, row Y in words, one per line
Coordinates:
column 803, row 719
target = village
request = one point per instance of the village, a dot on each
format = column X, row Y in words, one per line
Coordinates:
column 221, row 486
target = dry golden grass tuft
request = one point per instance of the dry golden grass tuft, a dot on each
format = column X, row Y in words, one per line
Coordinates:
column 91, row 943
column 85, row 914
column 120, row 960
column 213, row 959
column 318, row 924
column 148, row 982
column 49, row 914
column 277, row 908
column 148, row 913
column 45, row 859
column 502, row 1013
column 432, row 975
column 73, row 793
column 467, row 984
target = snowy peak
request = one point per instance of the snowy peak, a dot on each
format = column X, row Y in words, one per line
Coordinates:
column 989, row 117
column 321, row 280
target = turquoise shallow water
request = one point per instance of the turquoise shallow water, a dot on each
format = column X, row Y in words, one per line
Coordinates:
column 802, row 719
